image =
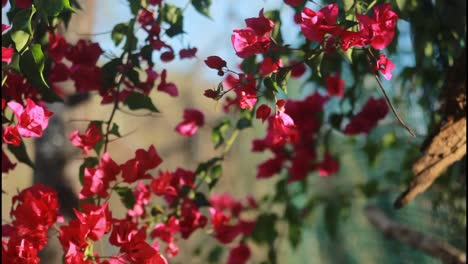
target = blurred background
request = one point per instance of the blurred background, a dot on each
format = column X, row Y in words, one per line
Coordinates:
column 384, row 157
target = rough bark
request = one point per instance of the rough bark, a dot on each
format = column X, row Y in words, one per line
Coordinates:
column 436, row 248
column 447, row 144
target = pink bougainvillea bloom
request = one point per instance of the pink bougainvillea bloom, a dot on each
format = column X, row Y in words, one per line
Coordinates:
column 88, row 140
column 378, row 30
column 162, row 184
column 385, row 66
column 246, row 91
column 7, row 54
column 315, row 25
column 255, row 38
column 335, row 85
column 169, row 88
column 351, row 39
column 32, row 120
column 191, row 218
column 4, row 27
column 268, row 66
column 96, row 219
column 263, row 112
column 239, row 254
column 193, row 119
column 97, row 180
column 328, row 166
column 11, row 136
column 368, row 117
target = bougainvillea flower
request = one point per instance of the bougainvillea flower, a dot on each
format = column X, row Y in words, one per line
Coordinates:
column 136, row 168
column 368, row 117
column 315, row 25
column 191, row 218
column 351, row 39
column 246, row 91
column 335, row 85
column 268, row 66
column 96, row 180
column 193, row 119
column 7, row 54
column 187, row 53
column 239, row 254
column 32, row 120
column 263, row 112
column 378, row 30
column 57, row 47
column 97, row 219
column 167, row 87
column 20, row 251
column 253, row 39
column 270, row 167
column 297, row 70
column 385, row 66
column 215, row 62
column 293, row 2
column 7, row 164
column 328, row 166
column 88, row 140
column 11, row 136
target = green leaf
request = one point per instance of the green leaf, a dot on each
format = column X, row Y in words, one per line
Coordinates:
column 215, row 254
column 21, row 29
column 331, row 219
column 213, row 176
column 265, row 231
column 282, row 77
column 174, row 17
column 370, row 188
column 21, row 154
column 134, row 6
column 119, row 32
column 132, row 40
column 109, row 71
column 133, row 76
column 270, row 85
column 52, row 8
column 249, row 65
column 89, row 162
column 218, row 133
column 32, row 64
column 200, row 200
column 202, row 6
column 204, row 166
column 243, row 123
column 136, row 101
column 294, row 234
column 115, row 130
column 126, row 196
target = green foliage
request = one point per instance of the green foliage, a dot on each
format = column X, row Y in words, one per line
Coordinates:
column 202, row 7
column 136, row 101
column 126, row 196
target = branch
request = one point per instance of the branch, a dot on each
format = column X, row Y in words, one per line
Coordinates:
column 447, row 143
column 436, row 248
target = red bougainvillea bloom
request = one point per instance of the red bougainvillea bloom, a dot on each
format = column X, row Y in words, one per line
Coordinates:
column 364, row 121
column 328, row 166
column 315, row 25
column 351, row 39
column 7, row 165
column 11, row 136
column 96, row 180
column 270, row 167
column 136, row 168
column 282, row 126
column 193, row 119
column 335, row 85
column 20, row 251
column 32, row 120
column 378, row 30
column 190, row 219
column 4, row 27
column 142, row 196
column 84, row 72
column 215, row 62
column 7, row 54
column 293, row 2
column 167, row 87
column 97, row 219
column 88, row 140
column 161, row 185
column 245, row 89
column 385, row 66
column 255, row 38
column 297, row 70
column 23, row 3
column 263, row 112
column 268, row 66
column 226, row 201
column 57, row 47
column 239, row 254
column 187, row 53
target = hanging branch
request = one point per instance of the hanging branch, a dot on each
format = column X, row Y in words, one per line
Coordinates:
column 394, row 230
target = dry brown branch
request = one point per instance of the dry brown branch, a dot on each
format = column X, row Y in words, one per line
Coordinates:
column 392, row 229
column 447, row 144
